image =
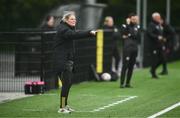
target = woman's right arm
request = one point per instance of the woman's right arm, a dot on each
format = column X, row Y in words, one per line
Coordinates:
column 73, row 35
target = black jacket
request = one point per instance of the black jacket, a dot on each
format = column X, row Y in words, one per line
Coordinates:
column 64, row 45
column 114, row 34
column 132, row 32
column 170, row 34
column 154, row 30
column 112, row 31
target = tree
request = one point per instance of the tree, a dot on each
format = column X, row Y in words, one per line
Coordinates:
column 25, row 13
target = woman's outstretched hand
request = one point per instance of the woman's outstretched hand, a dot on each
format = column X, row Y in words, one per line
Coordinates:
column 93, row 32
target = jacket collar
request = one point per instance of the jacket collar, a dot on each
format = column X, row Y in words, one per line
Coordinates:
column 64, row 23
column 155, row 22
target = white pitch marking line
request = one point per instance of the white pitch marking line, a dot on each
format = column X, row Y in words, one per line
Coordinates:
column 36, row 110
column 124, row 96
column 113, row 104
column 165, row 110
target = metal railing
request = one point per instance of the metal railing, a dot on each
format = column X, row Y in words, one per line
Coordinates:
column 27, row 56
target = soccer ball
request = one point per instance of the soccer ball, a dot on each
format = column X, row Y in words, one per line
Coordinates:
column 106, row 76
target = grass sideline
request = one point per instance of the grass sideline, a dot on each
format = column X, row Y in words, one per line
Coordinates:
column 153, row 96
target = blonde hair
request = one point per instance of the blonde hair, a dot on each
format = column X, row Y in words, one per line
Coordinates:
column 155, row 14
column 67, row 15
column 106, row 19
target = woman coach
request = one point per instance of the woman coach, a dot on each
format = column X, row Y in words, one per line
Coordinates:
column 64, row 55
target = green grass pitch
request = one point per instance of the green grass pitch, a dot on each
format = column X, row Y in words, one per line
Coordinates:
column 151, row 96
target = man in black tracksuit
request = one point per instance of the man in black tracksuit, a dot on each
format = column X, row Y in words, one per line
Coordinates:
column 155, row 35
column 169, row 34
column 130, row 36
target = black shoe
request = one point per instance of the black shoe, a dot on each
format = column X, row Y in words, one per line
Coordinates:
column 164, row 73
column 121, row 86
column 128, row 86
column 154, row 76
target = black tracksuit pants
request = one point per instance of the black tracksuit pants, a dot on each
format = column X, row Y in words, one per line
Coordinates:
column 164, row 62
column 129, row 59
column 66, row 78
column 158, row 59
column 116, row 55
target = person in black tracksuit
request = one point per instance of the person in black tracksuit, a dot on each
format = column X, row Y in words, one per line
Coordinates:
column 111, row 30
column 64, row 55
column 49, row 24
column 155, row 35
column 130, row 36
column 169, row 34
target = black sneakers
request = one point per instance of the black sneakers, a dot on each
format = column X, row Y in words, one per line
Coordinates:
column 164, row 73
column 154, row 76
